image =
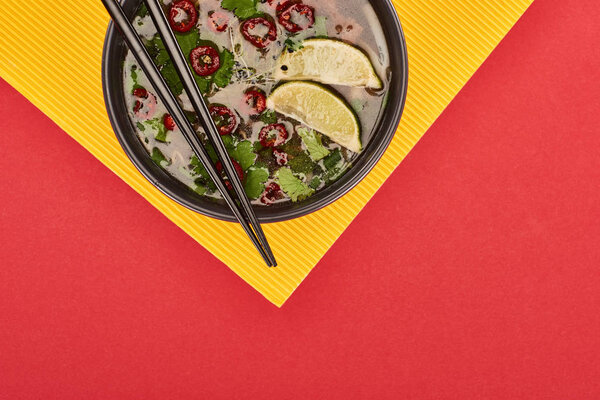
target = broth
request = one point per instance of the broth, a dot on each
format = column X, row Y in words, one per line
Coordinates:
column 246, row 69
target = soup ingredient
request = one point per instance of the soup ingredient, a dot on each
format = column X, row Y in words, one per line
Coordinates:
column 293, row 186
column 224, row 119
column 259, row 31
column 218, row 21
column 273, row 135
column 254, row 185
column 297, row 17
column 278, row 5
column 183, row 16
column 205, row 60
column 145, row 103
column 241, row 8
column 280, row 156
column 159, row 158
column 272, row 194
column 306, row 102
column 254, row 102
column 313, row 143
column 238, row 170
column 169, row 123
column 328, row 61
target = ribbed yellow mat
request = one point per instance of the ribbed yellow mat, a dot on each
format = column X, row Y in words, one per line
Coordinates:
column 51, row 50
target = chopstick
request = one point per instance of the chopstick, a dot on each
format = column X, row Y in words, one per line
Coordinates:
column 139, row 51
column 197, row 100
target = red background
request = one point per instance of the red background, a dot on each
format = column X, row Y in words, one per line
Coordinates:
column 474, row 272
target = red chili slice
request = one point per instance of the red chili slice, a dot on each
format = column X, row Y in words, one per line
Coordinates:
column 145, row 103
column 280, row 156
column 224, row 119
column 218, row 21
column 294, row 12
column 271, row 194
column 279, row 5
column 205, row 60
column 238, row 170
column 140, row 92
column 273, row 135
column 183, row 16
column 257, row 40
column 169, row 123
column 254, row 102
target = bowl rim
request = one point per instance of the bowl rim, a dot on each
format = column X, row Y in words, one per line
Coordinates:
column 378, row 143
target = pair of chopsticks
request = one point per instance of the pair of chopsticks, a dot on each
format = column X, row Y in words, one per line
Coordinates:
column 241, row 207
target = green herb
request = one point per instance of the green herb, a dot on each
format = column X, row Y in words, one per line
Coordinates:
column 200, row 189
column 320, row 26
column 222, row 77
column 168, row 72
column 159, row 158
column 157, row 125
column 199, row 170
column 135, row 78
column 143, row 10
column 188, row 41
column 268, row 117
column 228, row 142
column 161, row 136
column 332, row 160
column 160, row 55
column 203, row 83
column 315, row 183
column 313, row 143
column 333, row 168
column 301, row 163
column 293, row 146
column 254, row 184
column 244, row 154
column 292, row 43
column 293, row 186
column 242, row 8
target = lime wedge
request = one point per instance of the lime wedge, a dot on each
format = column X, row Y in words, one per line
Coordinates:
column 320, row 109
column 328, row 61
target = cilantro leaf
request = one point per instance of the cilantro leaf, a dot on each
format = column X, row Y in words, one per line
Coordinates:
column 268, row 117
column 199, row 170
column 293, row 186
column 244, row 154
column 313, row 143
column 170, row 74
column 159, row 158
column 242, row 8
column 222, row 77
column 161, row 57
column 254, row 183
column 188, row 41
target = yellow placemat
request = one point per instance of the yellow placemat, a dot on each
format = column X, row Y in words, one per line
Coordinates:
column 52, row 54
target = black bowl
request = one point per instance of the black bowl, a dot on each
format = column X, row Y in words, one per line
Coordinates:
column 114, row 53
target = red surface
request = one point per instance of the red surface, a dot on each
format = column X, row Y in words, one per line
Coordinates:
column 488, row 288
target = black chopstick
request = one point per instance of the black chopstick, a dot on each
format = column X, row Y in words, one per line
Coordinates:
column 187, row 79
column 139, row 51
